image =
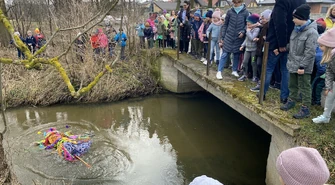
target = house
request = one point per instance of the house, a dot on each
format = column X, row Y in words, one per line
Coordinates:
column 251, row 3
column 317, row 6
column 160, row 6
column 223, row 3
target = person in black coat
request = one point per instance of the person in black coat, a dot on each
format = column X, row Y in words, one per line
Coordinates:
column 278, row 36
column 149, row 35
column 185, row 34
column 182, row 16
column 31, row 41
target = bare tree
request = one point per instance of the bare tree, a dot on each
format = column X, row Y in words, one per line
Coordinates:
column 210, row 3
column 4, row 35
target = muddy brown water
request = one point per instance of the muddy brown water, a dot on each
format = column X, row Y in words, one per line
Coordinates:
column 158, row 140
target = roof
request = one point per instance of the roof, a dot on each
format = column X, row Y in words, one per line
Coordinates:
column 166, row 5
column 247, row 2
column 271, row 2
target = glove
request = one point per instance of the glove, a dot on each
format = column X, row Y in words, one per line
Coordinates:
column 323, row 76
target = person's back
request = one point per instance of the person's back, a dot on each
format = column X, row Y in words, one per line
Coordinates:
column 280, row 28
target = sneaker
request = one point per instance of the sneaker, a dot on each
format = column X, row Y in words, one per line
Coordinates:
column 255, row 79
column 303, row 113
column 288, row 105
column 234, row 73
column 255, row 89
column 243, row 78
column 283, row 101
column 316, row 103
column 202, row 59
column 321, row 119
column 275, row 86
column 219, row 75
column 205, row 62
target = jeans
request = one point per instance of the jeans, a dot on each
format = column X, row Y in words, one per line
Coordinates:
column 271, row 64
column 215, row 45
column 224, row 57
column 259, row 65
column 205, row 50
column 276, row 73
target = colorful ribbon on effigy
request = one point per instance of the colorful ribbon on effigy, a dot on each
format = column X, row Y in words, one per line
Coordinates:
column 68, row 146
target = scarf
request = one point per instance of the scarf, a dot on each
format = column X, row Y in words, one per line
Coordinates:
column 219, row 23
column 301, row 28
column 238, row 9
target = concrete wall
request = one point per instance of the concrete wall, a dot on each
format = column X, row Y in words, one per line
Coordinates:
column 173, row 80
column 282, row 138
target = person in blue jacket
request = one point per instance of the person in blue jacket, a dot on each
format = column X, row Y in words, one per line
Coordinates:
column 31, row 41
column 20, row 54
column 121, row 38
column 140, row 28
column 319, row 81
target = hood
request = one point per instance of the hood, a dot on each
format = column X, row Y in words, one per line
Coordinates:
column 313, row 25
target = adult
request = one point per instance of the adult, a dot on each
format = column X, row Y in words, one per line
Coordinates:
column 233, row 35
column 279, row 32
column 183, row 14
column 330, row 17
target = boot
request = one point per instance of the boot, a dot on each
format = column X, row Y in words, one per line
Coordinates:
column 303, row 113
column 288, row 105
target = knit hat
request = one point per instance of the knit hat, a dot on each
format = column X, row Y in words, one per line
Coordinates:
column 217, row 14
column 209, row 14
column 302, row 12
column 197, row 13
column 302, row 165
column 253, row 18
column 17, row 33
column 266, row 14
column 321, row 25
column 204, row 180
column 327, row 38
column 37, row 31
column 210, row 9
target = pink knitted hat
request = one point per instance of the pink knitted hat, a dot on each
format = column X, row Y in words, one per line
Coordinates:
column 216, row 14
column 328, row 38
column 302, row 166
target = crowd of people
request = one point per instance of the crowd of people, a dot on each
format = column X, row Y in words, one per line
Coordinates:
column 298, row 54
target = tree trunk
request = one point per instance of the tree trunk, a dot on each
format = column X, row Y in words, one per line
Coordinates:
column 178, row 5
column 192, row 4
column 4, row 35
column 210, row 2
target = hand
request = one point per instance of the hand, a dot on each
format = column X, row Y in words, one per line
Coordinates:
column 256, row 39
column 181, row 24
column 188, row 37
column 301, row 71
column 264, row 37
column 241, row 48
column 240, row 35
column 204, row 35
column 276, row 52
column 220, row 45
column 327, row 91
column 248, row 29
column 282, row 49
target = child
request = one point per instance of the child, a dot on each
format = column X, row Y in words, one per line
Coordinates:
column 20, row 54
column 250, row 47
column 319, row 81
column 195, row 36
column 327, row 45
column 121, row 36
column 161, row 31
column 301, row 60
column 233, row 35
column 330, row 17
column 203, row 36
column 40, row 39
column 149, row 35
column 140, row 27
column 215, row 28
column 185, row 33
column 302, row 165
column 265, row 17
column 31, row 41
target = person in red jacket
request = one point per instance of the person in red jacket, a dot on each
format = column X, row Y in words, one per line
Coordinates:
column 95, row 42
column 40, row 39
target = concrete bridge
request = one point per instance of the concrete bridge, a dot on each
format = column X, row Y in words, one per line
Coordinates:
column 187, row 75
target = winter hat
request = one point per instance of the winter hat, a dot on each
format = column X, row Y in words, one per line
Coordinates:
column 204, row 180
column 216, row 14
column 210, row 9
column 327, row 38
column 302, row 12
column 209, row 14
column 167, row 16
column 37, row 31
column 197, row 13
column 321, row 25
column 266, row 14
column 164, row 11
column 302, row 165
column 253, row 18
column 17, row 33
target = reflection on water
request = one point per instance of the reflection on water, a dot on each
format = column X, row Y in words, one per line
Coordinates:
column 160, row 140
